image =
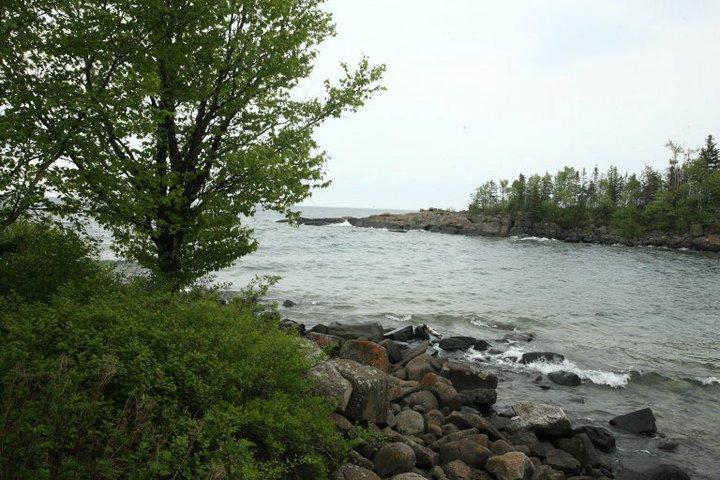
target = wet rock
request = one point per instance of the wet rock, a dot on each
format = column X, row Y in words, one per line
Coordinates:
column 544, row 420
column 330, row 383
column 354, row 472
column 367, row 353
column 517, row 337
column 668, row 445
column 481, row 345
column 478, row 397
column 288, row 325
column 393, row 350
column 362, row 330
column 549, row 357
column 581, row 448
column 418, row 367
column 413, row 352
column 408, row 333
column 370, row 397
column 409, row 422
column 511, row 466
column 504, row 410
column 394, row 458
column 451, row 344
column 601, row 437
column 288, row 304
column 458, row 470
column 643, row 468
column 564, row 378
column 639, row 422
column 563, row 461
column 465, row 450
column 424, row 398
column 467, row 377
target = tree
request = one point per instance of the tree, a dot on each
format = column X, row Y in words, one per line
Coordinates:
column 191, row 119
column 709, row 154
column 485, row 197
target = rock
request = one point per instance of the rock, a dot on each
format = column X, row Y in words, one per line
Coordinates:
column 544, row 420
column 481, row 345
column 419, row 366
column 467, row 377
column 668, row 445
column 563, row 461
column 458, row 470
column 357, row 459
column 393, row 350
column 600, row 437
column 465, row 420
column 367, row 353
column 517, row 337
column 581, row 447
column 354, row 472
column 511, row 466
column 549, row 357
column 640, row 422
column 451, row 344
column 454, row 436
column 288, row 303
column 409, row 332
column 564, row 378
column 370, row 397
column 500, row 447
column 330, row 383
column 409, row 422
column 394, row 458
column 363, row 330
column 288, row 325
column 319, row 328
column 646, row 468
column 424, row 398
column 424, row 457
column 326, row 342
column 504, row 410
column 408, row 476
column 413, row 352
column 438, row 473
column 465, row 450
column 440, row 387
column 478, row 397
column 341, row 423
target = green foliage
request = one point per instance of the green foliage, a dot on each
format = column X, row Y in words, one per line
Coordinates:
column 36, row 259
column 629, row 205
column 108, row 380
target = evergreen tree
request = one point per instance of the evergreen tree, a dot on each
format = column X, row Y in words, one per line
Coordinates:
column 709, row 154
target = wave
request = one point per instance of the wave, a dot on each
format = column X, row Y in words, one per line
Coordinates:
column 398, row 318
column 342, row 224
column 707, row 380
column 532, row 239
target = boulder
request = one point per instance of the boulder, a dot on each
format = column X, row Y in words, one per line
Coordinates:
column 549, row 357
column 326, row 342
column 564, row 378
column 451, row 344
column 424, row 457
column 367, row 353
column 423, row 398
column 458, row 470
column 408, row 476
column 645, row 468
column 517, row 337
column 393, row 350
column 413, row 352
column 563, row 461
column 408, row 333
column 288, row 325
column 288, row 303
column 362, row 330
column 544, row 420
column 481, row 345
column 394, row 458
column 640, row 422
column 330, row 383
column 418, row 367
column 467, row 377
column 441, row 388
column 511, row 466
column 409, row 422
column 370, row 397
column 354, row 472
column 599, row 436
column 478, row 397
column 465, row 420
column 465, row 450
column 581, row 447
column 452, row 437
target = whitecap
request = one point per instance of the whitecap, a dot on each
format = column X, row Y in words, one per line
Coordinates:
column 533, row 239
column 398, row 318
column 343, row 224
column 709, row 380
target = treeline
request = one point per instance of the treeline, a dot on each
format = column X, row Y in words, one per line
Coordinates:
column 686, row 195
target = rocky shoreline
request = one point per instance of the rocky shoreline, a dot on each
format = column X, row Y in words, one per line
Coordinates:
column 415, row 410
column 503, row 225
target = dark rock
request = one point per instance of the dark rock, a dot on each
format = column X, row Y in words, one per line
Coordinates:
column 601, row 437
column 414, row 351
column 408, row 476
column 393, row 350
column 504, row 410
column 409, row 422
column 644, row 468
column 320, row 328
column 291, row 325
column 451, row 344
column 408, row 333
column 563, row 461
column 639, row 422
column 581, row 447
column 468, row 377
column 544, row 420
column 549, row 357
column 361, row 330
column 394, row 458
column 288, row 303
column 341, row 423
column 500, row 447
column 511, row 466
column 367, row 353
column 326, row 342
column 465, row 420
column 567, row 379
column 458, row 470
column 481, row 345
column 424, row 398
column 354, row 472
column 517, row 337
column 370, row 397
column 419, row 366
column 668, row 445
column 424, row 457
column 442, row 389
column 357, row 459
column 464, row 450
column 478, row 397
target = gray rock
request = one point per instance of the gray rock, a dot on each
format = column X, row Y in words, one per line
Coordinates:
column 394, row 458
column 640, row 422
column 544, row 420
column 517, row 337
column 361, row 330
column 478, row 397
column 409, row 422
column 288, row 303
column 451, row 344
column 370, row 397
column 330, row 383
column 563, row 461
column 601, row 437
column 564, row 378
column 393, row 350
column 467, row 377
column 424, row 457
column 424, row 398
column 418, row 367
column 465, row 450
column 464, row 421
column 644, row 468
column 354, row 472
column 581, row 447
column 458, row 470
column 549, row 357
column 511, row 466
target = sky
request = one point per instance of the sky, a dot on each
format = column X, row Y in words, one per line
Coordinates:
column 480, row 90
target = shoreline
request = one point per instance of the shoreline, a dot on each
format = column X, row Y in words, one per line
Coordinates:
column 503, row 225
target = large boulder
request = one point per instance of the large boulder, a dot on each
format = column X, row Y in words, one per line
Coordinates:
column 544, row 420
column 640, row 422
column 419, row 366
column 330, row 383
column 601, row 437
column 549, row 357
column 466, row 420
column 644, row 468
column 581, row 447
column 423, row 398
column 567, row 379
column 326, row 342
column 370, row 397
column 465, row 376
column 409, row 332
column 392, row 458
column 442, row 389
column 410, row 422
column 465, row 450
column 354, row 472
column 478, row 397
column 451, row 344
column 511, row 466
column 361, row 330
column 393, row 349
column 424, row 457
column 563, row 461
column 367, row 353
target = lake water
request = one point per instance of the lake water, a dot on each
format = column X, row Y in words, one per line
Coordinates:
column 639, row 325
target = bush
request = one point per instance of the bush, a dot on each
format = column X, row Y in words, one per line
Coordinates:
column 136, row 383
column 37, row 258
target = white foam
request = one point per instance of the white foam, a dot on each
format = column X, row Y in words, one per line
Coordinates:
column 343, row 224
column 398, row 318
column 709, row 380
column 533, row 239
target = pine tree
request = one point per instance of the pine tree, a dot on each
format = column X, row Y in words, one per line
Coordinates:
column 709, row 154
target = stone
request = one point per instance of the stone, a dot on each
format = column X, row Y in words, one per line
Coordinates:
column 454, row 436
column 287, row 325
column 408, row 333
column 361, row 330
column 581, row 447
column 445, row 393
column 601, row 437
column 467, row 377
column 288, row 303
column 648, row 468
column 438, row 473
column 341, row 423
column 544, row 420
column 326, row 342
column 423, row 397
column 567, row 379
column 517, row 337
column 668, row 445
column 330, row 383
column 418, row 367
column 500, row 447
column 367, row 353
column 481, row 345
column 511, row 466
column 458, row 470
column 465, row 420
column 414, row 351
column 451, row 344
column 478, row 397
column 408, row 476
column 370, row 397
column 392, row 458
column 424, row 457
column 465, row 450
column 549, row 357
column 409, row 422
column 354, row 472
column 393, row 350
column 563, row 461
column 640, row 422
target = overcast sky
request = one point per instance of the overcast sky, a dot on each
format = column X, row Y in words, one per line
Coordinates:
column 486, row 89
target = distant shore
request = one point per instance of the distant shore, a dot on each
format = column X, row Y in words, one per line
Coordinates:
column 505, row 225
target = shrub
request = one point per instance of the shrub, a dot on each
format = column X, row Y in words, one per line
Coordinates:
column 37, row 258
column 135, row 383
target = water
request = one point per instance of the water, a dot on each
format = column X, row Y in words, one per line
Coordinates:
column 640, row 325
